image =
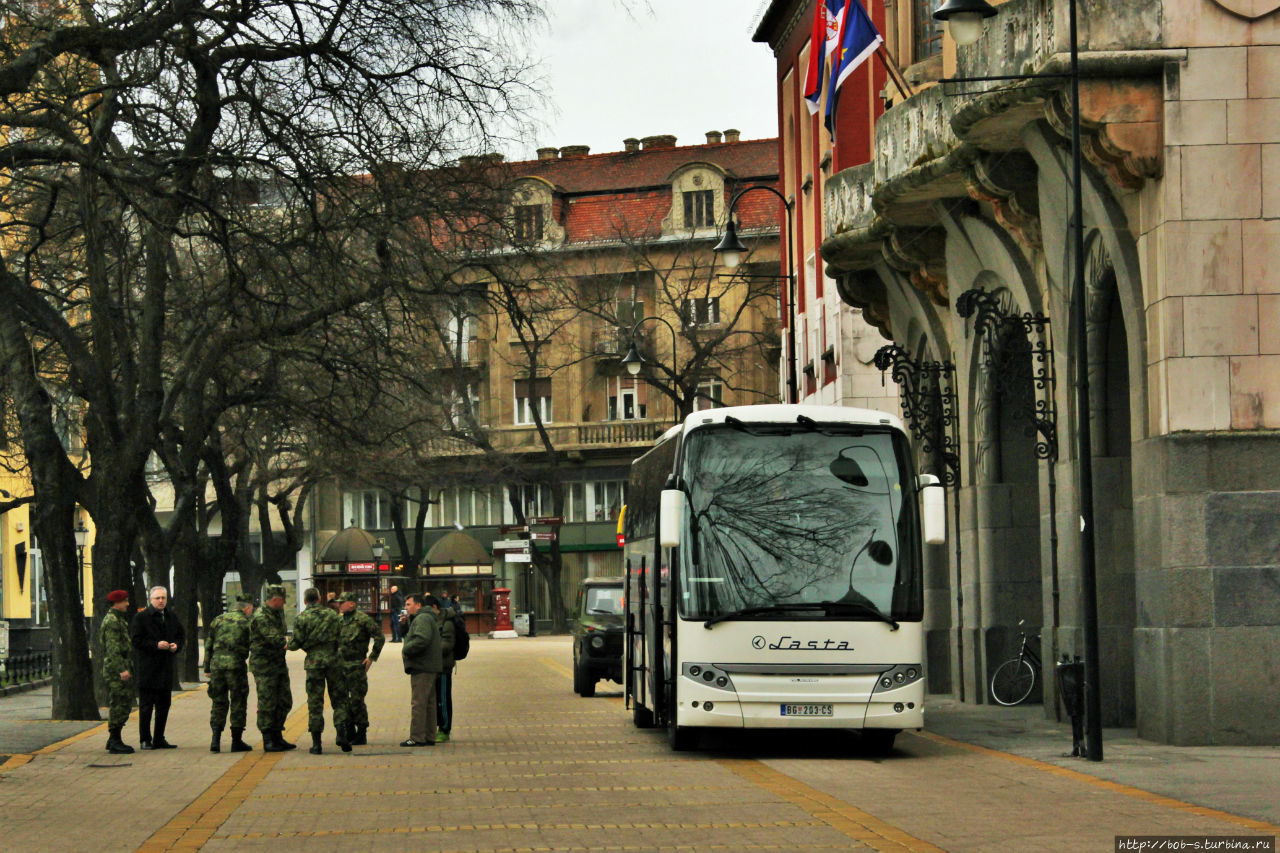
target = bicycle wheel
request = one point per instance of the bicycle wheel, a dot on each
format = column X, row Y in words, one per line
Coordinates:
column 1013, row 681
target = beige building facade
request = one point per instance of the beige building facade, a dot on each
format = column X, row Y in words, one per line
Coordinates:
column 953, row 239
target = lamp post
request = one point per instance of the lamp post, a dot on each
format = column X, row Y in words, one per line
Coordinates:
column 82, row 536
column 964, row 21
column 633, row 361
column 731, row 250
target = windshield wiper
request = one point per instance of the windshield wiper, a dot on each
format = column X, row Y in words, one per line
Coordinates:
column 832, row 607
column 757, row 611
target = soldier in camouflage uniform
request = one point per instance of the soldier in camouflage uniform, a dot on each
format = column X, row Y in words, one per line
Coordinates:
column 316, row 630
column 226, row 646
column 267, row 643
column 353, row 647
column 117, row 666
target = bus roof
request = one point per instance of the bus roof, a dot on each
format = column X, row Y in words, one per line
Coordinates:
column 785, row 413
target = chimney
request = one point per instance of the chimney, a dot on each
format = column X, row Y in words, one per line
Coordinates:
column 713, row 137
column 573, row 152
column 548, row 153
column 663, row 140
column 631, row 144
column 732, row 135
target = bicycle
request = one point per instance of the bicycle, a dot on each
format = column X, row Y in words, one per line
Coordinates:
column 1014, row 679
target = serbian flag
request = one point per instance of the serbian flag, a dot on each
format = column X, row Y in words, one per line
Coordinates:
column 859, row 38
column 827, row 18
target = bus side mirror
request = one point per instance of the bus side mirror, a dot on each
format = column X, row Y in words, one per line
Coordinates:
column 933, row 512
column 670, row 517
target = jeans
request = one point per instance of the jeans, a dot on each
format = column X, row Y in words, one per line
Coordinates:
column 395, row 626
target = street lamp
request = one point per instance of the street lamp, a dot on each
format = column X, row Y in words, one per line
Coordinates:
column 633, row 361
column 82, row 535
column 964, row 22
column 731, row 250
column 379, row 548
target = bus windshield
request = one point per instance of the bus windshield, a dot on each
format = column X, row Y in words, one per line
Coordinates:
column 798, row 522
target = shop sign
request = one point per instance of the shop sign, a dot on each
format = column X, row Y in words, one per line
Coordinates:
column 360, row 568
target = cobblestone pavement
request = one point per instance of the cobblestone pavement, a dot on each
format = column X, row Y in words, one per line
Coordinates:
column 533, row 767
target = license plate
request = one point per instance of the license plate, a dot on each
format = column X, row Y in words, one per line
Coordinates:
column 820, row 709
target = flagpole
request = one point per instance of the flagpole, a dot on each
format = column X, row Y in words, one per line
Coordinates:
column 889, row 61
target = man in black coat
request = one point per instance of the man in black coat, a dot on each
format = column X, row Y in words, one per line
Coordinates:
column 157, row 634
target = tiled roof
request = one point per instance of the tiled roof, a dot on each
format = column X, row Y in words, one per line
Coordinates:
column 607, row 196
column 624, row 170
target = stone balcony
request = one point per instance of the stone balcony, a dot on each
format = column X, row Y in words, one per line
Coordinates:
column 965, row 140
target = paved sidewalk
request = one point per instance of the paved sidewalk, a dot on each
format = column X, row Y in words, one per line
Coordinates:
column 534, row 767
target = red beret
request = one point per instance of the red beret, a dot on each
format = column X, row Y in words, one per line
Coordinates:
column 117, row 596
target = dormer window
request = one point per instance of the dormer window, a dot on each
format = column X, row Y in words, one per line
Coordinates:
column 697, row 200
column 699, row 208
column 529, row 223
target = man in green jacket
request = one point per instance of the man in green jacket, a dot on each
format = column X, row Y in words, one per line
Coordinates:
column 358, row 628
column 423, row 661
column 226, row 646
column 267, row 642
column 117, row 666
column 316, row 631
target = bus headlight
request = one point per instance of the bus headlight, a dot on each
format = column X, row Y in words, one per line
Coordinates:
column 899, row 676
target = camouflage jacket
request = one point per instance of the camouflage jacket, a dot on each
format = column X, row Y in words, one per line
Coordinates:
column 358, row 628
column 227, row 643
column 316, row 631
column 266, row 638
column 117, row 647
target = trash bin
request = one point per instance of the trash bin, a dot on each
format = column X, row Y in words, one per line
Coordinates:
column 521, row 623
column 1071, row 688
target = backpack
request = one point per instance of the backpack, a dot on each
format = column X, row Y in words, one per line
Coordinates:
column 461, row 640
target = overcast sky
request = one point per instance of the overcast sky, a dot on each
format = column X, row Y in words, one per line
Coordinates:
column 619, row 68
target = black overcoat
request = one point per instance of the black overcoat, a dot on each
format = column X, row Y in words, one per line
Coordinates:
column 155, row 667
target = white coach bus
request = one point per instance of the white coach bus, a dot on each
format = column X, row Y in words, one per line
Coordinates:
column 773, row 574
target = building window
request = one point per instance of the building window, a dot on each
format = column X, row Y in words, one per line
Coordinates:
column 928, row 30
column 625, row 405
column 630, row 312
column 701, row 312
column 533, row 394
column 699, row 208
column 461, row 331
column 528, row 222
column 369, row 509
column 710, row 395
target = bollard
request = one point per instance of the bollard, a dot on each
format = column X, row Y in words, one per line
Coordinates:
column 1071, row 688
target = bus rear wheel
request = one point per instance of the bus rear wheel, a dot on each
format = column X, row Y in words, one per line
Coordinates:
column 641, row 717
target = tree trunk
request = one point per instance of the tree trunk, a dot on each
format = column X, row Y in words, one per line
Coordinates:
column 55, row 483
column 186, row 556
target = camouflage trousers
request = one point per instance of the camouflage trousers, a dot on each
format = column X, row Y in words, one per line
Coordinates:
column 357, row 688
column 331, row 675
column 275, row 699
column 119, row 702
column 228, row 687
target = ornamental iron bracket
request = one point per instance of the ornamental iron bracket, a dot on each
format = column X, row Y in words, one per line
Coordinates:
column 1017, row 354
column 927, row 390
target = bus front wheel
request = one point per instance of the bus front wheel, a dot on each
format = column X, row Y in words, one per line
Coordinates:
column 681, row 738
column 878, row 741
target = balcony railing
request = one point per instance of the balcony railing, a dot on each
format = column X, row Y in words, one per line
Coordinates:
column 600, row 435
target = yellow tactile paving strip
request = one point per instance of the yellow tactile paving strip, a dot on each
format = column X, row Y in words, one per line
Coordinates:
column 836, row 813
column 197, row 823
column 1106, row 785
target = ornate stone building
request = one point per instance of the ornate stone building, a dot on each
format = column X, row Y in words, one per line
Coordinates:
column 954, row 240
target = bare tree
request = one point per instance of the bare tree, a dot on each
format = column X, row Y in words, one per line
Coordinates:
column 142, row 137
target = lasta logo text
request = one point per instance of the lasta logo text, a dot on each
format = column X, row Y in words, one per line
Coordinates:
column 787, row 643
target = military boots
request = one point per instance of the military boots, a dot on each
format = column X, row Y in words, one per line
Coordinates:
column 115, row 745
column 215, row 744
column 237, row 740
column 271, row 743
column 316, row 747
column 360, row 738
